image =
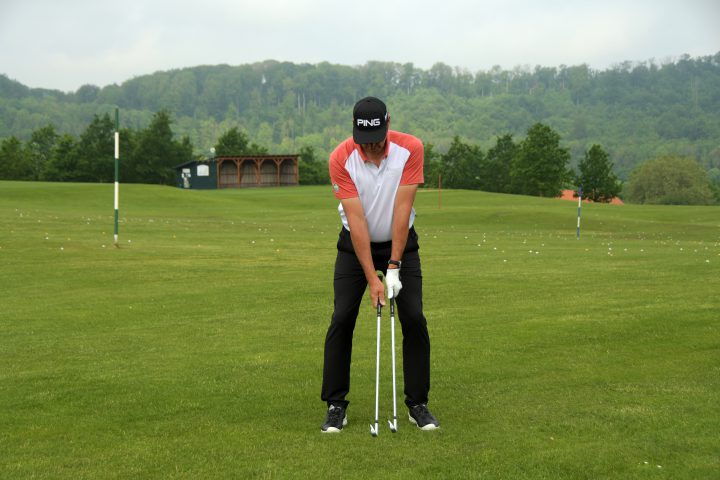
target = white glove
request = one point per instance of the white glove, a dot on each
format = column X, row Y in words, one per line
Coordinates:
column 392, row 280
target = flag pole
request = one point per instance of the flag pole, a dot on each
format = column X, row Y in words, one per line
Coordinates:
column 439, row 191
column 579, row 209
column 117, row 171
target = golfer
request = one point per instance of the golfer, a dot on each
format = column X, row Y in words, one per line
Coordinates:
column 375, row 175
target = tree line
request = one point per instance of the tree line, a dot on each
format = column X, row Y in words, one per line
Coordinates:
column 148, row 155
column 636, row 110
column 536, row 165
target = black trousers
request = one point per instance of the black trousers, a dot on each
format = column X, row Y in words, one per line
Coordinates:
column 349, row 284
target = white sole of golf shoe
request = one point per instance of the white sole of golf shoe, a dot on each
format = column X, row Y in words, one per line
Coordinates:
column 429, row 426
column 333, row 429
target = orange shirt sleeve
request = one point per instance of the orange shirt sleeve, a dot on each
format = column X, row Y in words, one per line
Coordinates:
column 413, row 172
column 343, row 186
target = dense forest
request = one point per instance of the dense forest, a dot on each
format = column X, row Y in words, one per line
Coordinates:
column 635, row 110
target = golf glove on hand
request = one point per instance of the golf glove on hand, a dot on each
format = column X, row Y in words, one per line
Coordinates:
column 392, row 280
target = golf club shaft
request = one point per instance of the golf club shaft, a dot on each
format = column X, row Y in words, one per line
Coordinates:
column 377, row 369
column 394, row 383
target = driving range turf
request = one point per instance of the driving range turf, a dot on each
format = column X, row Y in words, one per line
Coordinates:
column 194, row 350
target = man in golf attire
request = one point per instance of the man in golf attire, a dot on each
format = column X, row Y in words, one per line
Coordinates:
column 375, row 175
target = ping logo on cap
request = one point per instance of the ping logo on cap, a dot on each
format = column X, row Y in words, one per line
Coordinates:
column 375, row 122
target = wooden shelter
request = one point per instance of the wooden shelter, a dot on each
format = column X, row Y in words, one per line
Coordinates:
column 257, row 171
column 239, row 172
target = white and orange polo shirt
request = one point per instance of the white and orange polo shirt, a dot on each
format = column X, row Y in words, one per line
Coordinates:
column 352, row 175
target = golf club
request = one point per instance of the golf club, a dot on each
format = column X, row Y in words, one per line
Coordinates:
column 393, row 424
column 374, row 429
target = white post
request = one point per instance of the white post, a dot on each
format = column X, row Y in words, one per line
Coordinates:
column 117, row 172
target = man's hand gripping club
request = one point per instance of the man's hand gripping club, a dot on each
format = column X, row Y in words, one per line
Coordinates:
column 392, row 281
column 377, row 291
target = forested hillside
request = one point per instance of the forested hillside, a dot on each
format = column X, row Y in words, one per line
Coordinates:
column 636, row 111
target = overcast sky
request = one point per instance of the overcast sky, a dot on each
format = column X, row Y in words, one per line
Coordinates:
column 63, row 44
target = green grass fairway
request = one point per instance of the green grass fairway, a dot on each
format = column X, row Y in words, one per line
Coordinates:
column 194, row 350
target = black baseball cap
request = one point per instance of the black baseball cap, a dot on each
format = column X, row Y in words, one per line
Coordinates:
column 370, row 121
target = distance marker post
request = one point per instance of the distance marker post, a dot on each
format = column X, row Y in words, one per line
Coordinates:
column 117, row 171
column 577, row 234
